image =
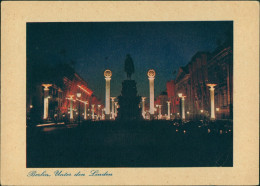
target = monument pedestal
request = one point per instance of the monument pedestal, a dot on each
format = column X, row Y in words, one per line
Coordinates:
column 129, row 102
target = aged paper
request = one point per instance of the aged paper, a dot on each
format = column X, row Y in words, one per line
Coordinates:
column 15, row 15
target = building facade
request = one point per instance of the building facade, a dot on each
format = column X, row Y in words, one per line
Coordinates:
column 58, row 93
column 192, row 82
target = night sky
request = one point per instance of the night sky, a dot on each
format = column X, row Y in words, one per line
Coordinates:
column 94, row 47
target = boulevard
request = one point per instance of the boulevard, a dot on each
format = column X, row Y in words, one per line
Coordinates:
column 138, row 144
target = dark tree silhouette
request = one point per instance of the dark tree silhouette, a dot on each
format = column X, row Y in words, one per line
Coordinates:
column 129, row 66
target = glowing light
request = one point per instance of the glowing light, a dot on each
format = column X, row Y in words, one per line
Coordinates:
column 55, row 115
column 217, row 109
column 178, row 113
column 70, row 97
column 180, row 95
column 188, row 112
column 211, row 85
column 89, row 92
column 201, row 111
column 208, row 130
column 108, row 73
column 184, row 131
column 78, row 94
column 42, row 125
column 177, row 130
column 68, row 112
column 220, row 131
column 31, row 106
column 77, row 113
column 151, row 73
column 46, row 86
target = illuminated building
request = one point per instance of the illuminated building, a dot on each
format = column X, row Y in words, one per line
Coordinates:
column 53, row 93
column 205, row 68
column 220, row 71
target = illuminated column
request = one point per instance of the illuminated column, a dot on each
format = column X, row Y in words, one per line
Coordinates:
column 212, row 104
column 169, row 110
column 182, row 106
column 107, row 75
column 103, row 113
column 46, row 100
column 85, row 110
column 160, row 111
column 113, row 107
column 71, row 107
column 99, row 106
column 151, row 75
column 116, row 108
column 143, row 106
column 93, row 114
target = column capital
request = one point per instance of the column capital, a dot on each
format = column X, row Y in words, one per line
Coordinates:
column 108, row 78
column 46, row 86
column 108, row 73
column 99, row 106
column 113, row 98
column 151, row 78
column 151, row 73
column 143, row 98
column 70, row 97
column 211, row 86
column 168, row 102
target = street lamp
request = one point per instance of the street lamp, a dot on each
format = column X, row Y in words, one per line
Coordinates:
column 79, row 95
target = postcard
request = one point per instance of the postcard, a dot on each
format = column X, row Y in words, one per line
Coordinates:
column 130, row 93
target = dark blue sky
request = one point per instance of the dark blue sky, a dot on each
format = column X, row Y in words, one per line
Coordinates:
column 94, row 47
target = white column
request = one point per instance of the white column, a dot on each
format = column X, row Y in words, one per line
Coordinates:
column 107, row 97
column 143, row 106
column 116, row 109
column 113, row 107
column 46, row 101
column 71, row 108
column 103, row 113
column 160, row 111
column 99, row 106
column 85, row 110
column 183, row 107
column 151, row 76
column 169, row 110
column 93, row 114
column 212, row 101
column 151, row 83
column 107, row 75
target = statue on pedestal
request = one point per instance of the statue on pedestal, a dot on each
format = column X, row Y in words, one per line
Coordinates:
column 129, row 100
